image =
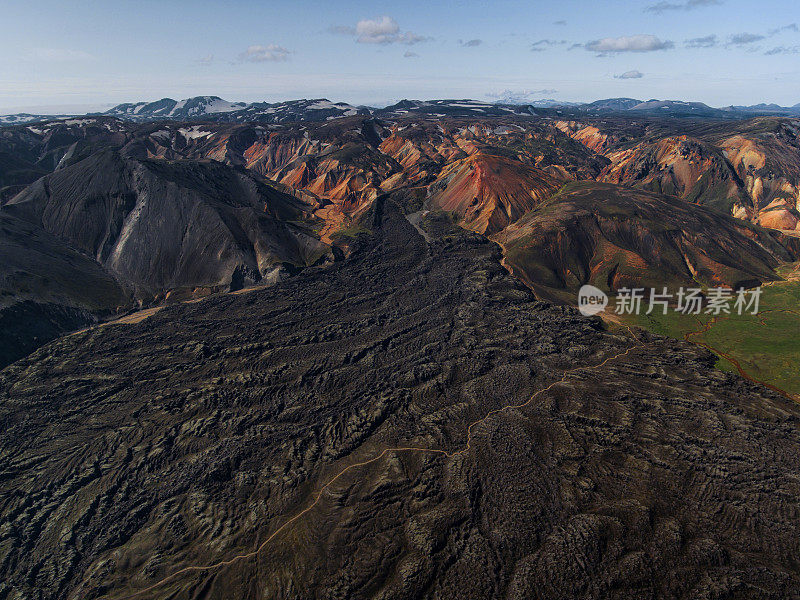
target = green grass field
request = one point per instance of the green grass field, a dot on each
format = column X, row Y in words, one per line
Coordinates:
column 766, row 345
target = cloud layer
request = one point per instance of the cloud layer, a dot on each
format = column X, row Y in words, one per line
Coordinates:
column 783, row 50
column 742, row 39
column 546, row 43
column 708, row 41
column 519, row 96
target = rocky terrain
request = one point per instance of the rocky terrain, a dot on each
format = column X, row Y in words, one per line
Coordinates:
column 406, row 423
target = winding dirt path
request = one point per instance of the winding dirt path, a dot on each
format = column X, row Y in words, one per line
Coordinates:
column 398, row 449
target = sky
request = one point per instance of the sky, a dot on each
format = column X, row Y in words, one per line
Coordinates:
column 80, row 56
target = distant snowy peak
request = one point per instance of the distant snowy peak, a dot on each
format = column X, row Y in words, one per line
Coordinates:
column 167, row 108
column 317, row 109
column 450, row 108
column 671, row 105
column 205, row 105
column 213, row 108
column 610, row 105
column 550, row 103
column 21, row 118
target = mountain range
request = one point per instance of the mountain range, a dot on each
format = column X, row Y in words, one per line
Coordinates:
column 214, row 108
column 169, row 210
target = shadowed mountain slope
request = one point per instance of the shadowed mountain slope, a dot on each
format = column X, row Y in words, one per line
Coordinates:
column 257, row 429
column 163, row 225
column 47, row 288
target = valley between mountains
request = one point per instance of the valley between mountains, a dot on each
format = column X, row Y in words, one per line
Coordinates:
column 341, row 361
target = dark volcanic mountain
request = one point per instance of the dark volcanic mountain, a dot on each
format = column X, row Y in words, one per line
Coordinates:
column 183, row 209
column 407, row 423
column 111, row 231
column 163, row 225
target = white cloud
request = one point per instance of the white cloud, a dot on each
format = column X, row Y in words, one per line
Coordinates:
column 270, row 53
column 541, row 44
column 410, row 54
column 382, row 30
column 377, row 31
column 630, row 75
column 708, row 41
column 409, row 38
column 633, row 43
column 664, row 5
column 742, row 39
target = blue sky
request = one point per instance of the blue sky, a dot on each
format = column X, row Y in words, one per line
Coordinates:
column 82, row 54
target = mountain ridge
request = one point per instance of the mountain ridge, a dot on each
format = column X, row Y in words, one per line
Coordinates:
column 214, row 108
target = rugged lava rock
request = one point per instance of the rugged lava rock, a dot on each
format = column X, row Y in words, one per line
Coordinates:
column 132, row 452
